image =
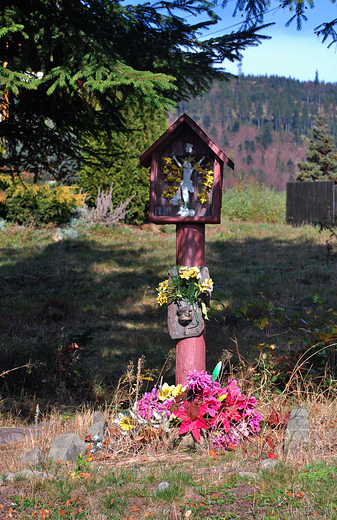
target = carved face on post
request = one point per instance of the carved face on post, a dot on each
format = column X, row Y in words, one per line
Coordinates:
column 185, row 315
column 185, row 320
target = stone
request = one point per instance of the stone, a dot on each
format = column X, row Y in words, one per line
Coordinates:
column 28, row 474
column 247, row 474
column 18, row 434
column 33, row 457
column 98, row 425
column 98, row 417
column 161, row 487
column 66, row 447
column 297, row 433
column 173, row 437
column 187, row 442
column 14, row 435
column 96, row 430
column 268, row 464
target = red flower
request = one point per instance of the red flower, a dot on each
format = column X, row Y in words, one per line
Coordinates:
column 192, row 417
column 224, row 417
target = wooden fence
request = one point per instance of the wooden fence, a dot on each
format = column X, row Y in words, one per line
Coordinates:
column 311, row 202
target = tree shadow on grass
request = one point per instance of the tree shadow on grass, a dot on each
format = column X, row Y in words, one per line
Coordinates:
column 103, row 298
column 83, row 292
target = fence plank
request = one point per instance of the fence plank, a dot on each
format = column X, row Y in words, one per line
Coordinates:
column 310, row 202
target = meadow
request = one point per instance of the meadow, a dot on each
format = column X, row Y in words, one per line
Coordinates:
column 95, row 286
column 79, row 308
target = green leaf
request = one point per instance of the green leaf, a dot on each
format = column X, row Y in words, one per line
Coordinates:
column 216, row 371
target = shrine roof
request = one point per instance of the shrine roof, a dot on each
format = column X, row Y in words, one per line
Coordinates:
column 145, row 158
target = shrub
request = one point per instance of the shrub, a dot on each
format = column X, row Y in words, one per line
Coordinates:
column 24, row 202
column 255, row 202
column 116, row 160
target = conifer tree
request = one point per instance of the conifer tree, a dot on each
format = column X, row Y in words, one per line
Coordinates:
column 70, row 68
column 321, row 163
column 74, row 67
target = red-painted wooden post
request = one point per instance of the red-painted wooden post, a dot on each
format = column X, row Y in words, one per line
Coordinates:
column 190, row 250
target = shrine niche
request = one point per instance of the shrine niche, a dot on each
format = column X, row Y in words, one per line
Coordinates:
column 186, row 175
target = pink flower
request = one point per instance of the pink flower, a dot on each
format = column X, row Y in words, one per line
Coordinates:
column 192, row 417
column 254, row 422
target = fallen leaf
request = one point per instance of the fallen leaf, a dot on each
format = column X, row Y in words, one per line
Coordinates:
column 85, row 475
column 300, row 495
column 272, row 455
column 112, row 501
column 135, row 509
column 271, row 443
column 139, row 439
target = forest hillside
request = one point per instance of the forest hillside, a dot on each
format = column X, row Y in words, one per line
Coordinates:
column 259, row 122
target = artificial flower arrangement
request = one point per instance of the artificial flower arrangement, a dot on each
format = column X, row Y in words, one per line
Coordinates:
column 185, row 284
column 201, row 404
column 173, row 175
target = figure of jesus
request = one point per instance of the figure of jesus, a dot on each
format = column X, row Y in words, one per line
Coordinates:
column 187, row 184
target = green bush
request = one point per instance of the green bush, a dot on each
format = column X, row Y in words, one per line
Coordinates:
column 22, row 202
column 116, row 160
column 255, row 202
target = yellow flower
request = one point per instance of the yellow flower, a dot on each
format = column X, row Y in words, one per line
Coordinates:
column 125, row 424
column 206, row 285
column 162, row 287
column 194, row 272
column 177, row 390
column 161, row 299
column 203, row 196
column 165, row 392
column 184, row 273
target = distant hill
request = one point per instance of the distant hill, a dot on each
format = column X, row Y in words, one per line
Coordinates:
column 259, row 122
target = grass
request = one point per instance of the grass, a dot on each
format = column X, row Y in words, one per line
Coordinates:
column 275, row 292
column 276, row 285
column 254, row 202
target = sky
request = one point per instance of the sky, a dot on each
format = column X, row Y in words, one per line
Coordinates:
column 290, row 53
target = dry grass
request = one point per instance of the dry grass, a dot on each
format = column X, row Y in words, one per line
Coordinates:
column 204, row 483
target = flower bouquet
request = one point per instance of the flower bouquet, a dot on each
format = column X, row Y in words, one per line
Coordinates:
column 201, row 404
column 186, row 284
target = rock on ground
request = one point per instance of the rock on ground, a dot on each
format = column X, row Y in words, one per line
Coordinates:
column 67, row 447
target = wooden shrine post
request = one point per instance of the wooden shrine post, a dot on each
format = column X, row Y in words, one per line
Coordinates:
column 190, row 250
column 186, row 190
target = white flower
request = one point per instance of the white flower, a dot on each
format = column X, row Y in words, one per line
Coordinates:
column 176, row 199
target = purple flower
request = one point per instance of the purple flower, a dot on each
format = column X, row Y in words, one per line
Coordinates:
column 222, row 439
column 199, row 382
column 254, row 422
column 150, row 402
